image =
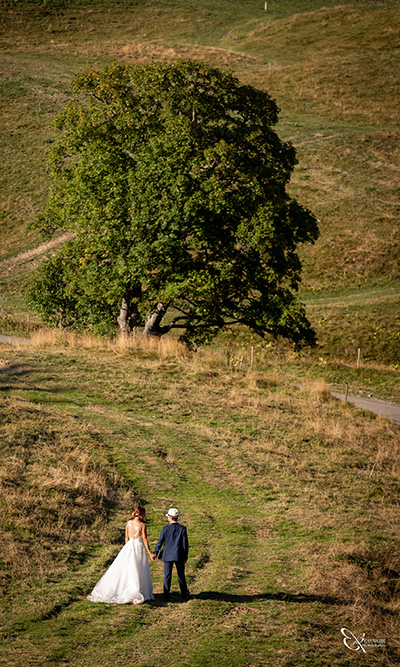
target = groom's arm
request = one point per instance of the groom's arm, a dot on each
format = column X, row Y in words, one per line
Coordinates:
column 185, row 544
column 160, row 542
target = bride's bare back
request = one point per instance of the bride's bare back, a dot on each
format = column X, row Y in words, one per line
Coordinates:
column 135, row 529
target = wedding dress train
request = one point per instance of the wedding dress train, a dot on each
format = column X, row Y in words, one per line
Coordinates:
column 128, row 579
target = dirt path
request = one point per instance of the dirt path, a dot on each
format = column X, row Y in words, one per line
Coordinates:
column 7, row 265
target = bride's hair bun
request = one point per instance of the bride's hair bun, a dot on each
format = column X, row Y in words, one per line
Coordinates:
column 139, row 511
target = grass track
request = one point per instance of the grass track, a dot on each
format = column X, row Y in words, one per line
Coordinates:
column 275, row 486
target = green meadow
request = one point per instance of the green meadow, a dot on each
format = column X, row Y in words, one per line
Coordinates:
column 291, row 498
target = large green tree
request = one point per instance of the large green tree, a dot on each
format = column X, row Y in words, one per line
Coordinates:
column 174, row 184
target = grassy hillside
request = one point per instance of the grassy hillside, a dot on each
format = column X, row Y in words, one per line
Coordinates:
column 334, row 72
column 290, row 499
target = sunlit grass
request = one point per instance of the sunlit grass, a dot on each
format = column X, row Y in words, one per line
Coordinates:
column 276, row 484
column 290, row 497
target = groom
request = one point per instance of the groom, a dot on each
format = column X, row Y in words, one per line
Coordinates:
column 176, row 548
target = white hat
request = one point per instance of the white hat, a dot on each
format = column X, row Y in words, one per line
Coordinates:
column 173, row 513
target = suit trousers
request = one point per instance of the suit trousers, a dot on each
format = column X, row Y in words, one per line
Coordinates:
column 180, row 569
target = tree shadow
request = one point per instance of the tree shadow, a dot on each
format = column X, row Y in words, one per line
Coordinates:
column 15, row 369
column 12, row 372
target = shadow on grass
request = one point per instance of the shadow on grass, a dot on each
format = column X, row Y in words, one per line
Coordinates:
column 301, row 598
column 16, row 369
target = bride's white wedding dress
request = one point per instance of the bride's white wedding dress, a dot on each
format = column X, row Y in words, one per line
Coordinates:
column 128, row 579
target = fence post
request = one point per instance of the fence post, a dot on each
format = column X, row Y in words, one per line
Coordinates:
column 358, row 357
column 251, row 358
column 346, row 391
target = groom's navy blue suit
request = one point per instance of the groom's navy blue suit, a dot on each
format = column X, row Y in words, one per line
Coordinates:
column 174, row 539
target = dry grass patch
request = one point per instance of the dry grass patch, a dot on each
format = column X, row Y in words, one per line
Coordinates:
column 367, row 578
column 161, row 348
column 320, row 388
column 57, row 487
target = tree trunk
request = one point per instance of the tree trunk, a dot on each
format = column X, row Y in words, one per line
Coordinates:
column 127, row 318
column 152, row 326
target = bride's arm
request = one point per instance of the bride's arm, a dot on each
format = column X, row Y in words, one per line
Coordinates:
column 126, row 532
column 144, row 535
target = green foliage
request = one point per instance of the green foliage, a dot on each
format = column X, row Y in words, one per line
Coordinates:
column 174, row 182
column 66, row 292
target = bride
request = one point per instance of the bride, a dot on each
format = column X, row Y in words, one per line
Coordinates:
column 128, row 578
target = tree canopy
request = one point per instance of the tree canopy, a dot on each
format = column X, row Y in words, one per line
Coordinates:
column 174, row 184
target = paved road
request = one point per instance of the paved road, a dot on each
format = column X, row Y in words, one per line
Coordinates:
column 380, row 408
column 14, row 340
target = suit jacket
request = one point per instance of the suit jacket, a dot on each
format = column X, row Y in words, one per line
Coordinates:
column 175, row 541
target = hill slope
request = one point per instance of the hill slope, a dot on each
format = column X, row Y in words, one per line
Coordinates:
column 333, row 70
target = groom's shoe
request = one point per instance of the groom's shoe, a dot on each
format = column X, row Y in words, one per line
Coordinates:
column 186, row 596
